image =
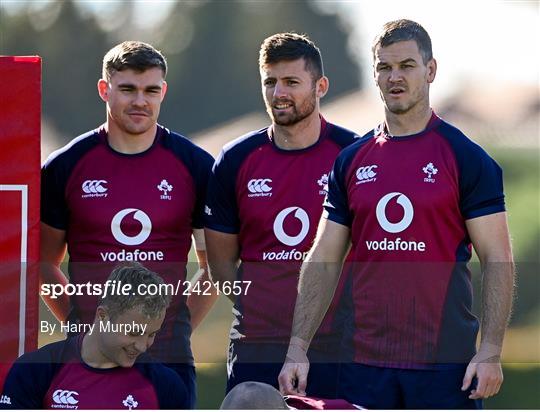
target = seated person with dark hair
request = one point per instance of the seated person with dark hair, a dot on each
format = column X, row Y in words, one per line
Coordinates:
column 106, row 367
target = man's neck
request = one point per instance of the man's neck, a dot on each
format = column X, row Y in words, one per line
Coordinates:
column 300, row 135
column 408, row 123
column 90, row 353
column 127, row 143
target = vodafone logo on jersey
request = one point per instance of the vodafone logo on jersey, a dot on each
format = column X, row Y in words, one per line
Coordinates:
column 408, row 214
column 259, row 188
column 131, row 239
column 283, row 237
column 65, row 399
column 396, row 244
column 289, row 239
column 116, row 227
column 94, row 188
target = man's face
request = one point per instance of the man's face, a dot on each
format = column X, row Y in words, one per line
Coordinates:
column 123, row 349
column 133, row 99
column 402, row 77
column 289, row 91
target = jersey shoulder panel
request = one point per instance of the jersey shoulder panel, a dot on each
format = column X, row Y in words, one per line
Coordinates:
column 170, row 389
column 336, row 204
column 55, row 174
column 31, row 375
column 341, row 136
column 185, row 149
column 221, row 214
column 480, row 177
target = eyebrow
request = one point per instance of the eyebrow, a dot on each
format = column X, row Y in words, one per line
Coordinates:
column 132, row 86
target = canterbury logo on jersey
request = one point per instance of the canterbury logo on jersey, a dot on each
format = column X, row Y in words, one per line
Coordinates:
column 65, row 399
column 94, row 188
column 6, row 400
column 259, row 188
column 366, row 174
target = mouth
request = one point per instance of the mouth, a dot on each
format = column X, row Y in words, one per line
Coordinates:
column 138, row 114
column 131, row 354
column 396, row 91
column 282, row 106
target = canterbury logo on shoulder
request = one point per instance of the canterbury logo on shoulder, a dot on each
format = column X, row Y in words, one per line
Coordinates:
column 65, row 399
column 259, row 187
column 94, row 188
column 366, row 174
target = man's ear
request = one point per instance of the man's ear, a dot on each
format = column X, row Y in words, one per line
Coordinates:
column 432, row 70
column 102, row 314
column 163, row 90
column 103, row 89
column 322, row 86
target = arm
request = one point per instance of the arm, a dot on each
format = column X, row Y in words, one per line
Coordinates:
column 199, row 304
column 52, row 252
column 318, row 280
column 223, row 256
column 491, row 241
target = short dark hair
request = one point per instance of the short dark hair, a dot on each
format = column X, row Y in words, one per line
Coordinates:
column 135, row 55
column 404, row 30
column 134, row 274
column 292, row 46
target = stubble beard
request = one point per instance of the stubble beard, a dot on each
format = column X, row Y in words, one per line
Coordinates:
column 298, row 113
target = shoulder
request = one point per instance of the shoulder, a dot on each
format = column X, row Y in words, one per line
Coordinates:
column 74, row 150
column 462, row 146
column 240, row 147
column 170, row 388
column 341, row 136
column 51, row 353
column 183, row 147
column 348, row 153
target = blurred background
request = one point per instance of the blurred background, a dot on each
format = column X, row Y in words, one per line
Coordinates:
column 487, row 85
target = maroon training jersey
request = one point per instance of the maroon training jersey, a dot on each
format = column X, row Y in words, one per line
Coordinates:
column 272, row 198
column 56, row 377
column 406, row 200
column 116, row 207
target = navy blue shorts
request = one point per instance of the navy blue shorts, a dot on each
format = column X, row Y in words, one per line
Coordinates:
column 187, row 373
column 375, row 387
column 263, row 362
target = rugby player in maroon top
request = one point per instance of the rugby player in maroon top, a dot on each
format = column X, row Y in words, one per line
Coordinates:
column 106, row 367
column 264, row 201
column 129, row 190
column 409, row 200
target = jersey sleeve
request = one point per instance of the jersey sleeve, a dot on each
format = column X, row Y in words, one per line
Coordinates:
column 26, row 384
column 336, row 206
column 54, row 210
column 170, row 388
column 481, row 186
column 480, row 177
column 222, row 209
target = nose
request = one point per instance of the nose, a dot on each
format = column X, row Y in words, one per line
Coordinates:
column 140, row 99
column 279, row 91
column 395, row 75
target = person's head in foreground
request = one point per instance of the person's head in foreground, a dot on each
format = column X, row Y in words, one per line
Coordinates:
column 254, row 395
column 403, row 66
column 141, row 311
